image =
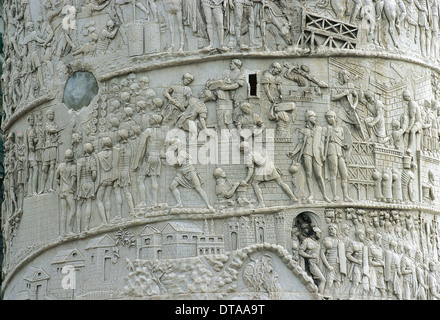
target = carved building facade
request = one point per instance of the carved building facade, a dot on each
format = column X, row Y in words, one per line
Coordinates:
column 221, row 149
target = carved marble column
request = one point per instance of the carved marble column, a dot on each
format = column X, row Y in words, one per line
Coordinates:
column 221, row 149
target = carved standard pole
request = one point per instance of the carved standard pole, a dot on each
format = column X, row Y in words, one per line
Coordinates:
column 154, row 169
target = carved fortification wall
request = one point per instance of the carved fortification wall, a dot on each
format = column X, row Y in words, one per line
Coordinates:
column 221, row 149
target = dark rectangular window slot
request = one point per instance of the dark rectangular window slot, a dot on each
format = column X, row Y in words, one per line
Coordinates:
column 253, row 85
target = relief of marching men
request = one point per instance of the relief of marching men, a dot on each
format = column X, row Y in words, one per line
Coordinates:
column 369, row 254
column 110, row 168
column 44, row 40
column 115, row 157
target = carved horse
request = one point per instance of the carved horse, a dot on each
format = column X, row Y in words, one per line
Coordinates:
column 394, row 11
column 339, row 7
column 174, row 8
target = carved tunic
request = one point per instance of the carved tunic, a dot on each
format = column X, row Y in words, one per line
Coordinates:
column 105, row 168
column 336, row 139
column 66, row 173
column 377, row 279
column 122, row 160
column 32, row 139
column 358, row 271
column 86, row 169
column 265, row 169
column 196, row 110
column 148, row 157
column 312, row 145
column 273, row 83
column 187, row 176
column 51, row 142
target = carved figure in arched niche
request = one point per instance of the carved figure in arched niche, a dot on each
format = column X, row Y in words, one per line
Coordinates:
column 309, row 248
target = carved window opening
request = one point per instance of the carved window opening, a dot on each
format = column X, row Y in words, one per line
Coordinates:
column 147, row 241
column 80, row 90
column 107, row 267
column 234, row 241
column 253, row 85
column 260, row 235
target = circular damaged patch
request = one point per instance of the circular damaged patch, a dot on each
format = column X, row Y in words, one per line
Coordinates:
column 80, row 90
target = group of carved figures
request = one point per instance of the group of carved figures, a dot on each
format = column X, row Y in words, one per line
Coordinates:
column 121, row 146
column 369, row 254
column 418, row 20
column 38, row 43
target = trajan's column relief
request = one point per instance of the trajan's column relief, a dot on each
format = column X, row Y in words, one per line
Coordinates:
column 221, row 149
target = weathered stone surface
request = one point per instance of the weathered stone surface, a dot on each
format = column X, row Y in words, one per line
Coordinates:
column 227, row 150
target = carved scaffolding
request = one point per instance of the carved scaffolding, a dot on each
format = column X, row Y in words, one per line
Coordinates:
column 326, row 32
